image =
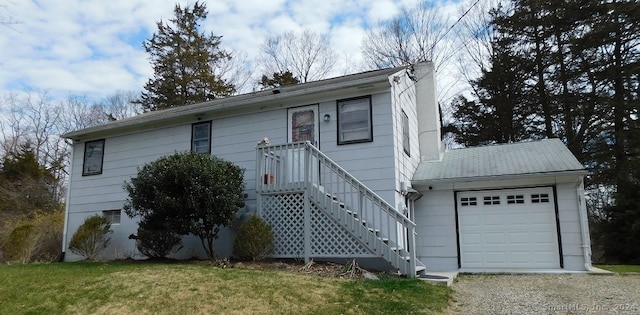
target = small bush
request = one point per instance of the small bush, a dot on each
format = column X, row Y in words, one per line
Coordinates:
column 35, row 238
column 91, row 238
column 254, row 240
column 157, row 243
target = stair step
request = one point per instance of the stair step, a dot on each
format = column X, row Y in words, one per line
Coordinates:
column 420, row 268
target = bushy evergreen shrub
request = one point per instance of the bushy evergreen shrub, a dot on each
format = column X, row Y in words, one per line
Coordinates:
column 254, row 240
column 34, row 238
column 157, row 243
column 92, row 237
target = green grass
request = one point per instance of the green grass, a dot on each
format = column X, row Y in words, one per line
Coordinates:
column 621, row 269
column 186, row 288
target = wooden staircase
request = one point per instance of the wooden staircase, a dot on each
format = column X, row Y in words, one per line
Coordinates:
column 360, row 212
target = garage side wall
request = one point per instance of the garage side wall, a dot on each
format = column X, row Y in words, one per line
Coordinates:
column 568, row 210
column 436, row 242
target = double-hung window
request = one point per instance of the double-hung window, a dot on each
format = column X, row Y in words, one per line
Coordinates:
column 93, row 157
column 201, row 137
column 354, row 120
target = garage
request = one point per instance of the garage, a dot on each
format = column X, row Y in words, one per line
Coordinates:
column 507, row 229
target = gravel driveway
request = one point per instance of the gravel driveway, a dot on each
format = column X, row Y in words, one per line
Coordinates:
column 546, row 294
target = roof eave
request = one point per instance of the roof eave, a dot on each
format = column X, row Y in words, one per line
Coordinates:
column 190, row 111
column 422, row 182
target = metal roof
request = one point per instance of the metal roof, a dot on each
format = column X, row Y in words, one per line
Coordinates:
column 158, row 118
column 543, row 157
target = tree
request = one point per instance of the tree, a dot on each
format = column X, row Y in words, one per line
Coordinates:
column 187, row 193
column 416, row 34
column 307, row 55
column 92, row 237
column 183, row 60
column 279, row 79
column 26, row 186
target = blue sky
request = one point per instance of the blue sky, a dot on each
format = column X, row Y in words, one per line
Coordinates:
column 94, row 47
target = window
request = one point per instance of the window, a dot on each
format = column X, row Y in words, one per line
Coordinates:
column 468, row 201
column 112, row 215
column 405, row 133
column 492, row 200
column 538, row 198
column 354, row 120
column 515, row 199
column 201, row 137
column 93, row 155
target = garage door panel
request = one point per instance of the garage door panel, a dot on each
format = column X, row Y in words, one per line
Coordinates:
column 508, row 229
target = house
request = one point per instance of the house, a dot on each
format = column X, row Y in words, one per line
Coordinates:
column 353, row 167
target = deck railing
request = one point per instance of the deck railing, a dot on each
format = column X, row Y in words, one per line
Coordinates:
column 301, row 166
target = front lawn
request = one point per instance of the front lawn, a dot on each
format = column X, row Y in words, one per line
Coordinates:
column 187, row 288
column 621, row 269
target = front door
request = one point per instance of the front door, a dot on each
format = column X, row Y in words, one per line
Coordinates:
column 302, row 126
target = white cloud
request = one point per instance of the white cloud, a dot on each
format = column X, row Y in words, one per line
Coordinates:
column 94, row 47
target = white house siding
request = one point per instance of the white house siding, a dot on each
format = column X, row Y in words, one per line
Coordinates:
column 234, row 138
column 436, row 242
column 370, row 162
column 122, row 156
column 568, row 214
column 403, row 96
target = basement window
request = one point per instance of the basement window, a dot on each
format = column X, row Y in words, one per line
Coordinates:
column 93, row 157
column 354, row 120
column 112, row 215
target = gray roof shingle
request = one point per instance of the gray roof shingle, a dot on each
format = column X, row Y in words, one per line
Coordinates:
column 535, row 157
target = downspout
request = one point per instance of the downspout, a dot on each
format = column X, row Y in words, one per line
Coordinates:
column 584, row 225
column 65, row 228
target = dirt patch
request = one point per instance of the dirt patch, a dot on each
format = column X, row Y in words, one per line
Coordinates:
column 349, row 270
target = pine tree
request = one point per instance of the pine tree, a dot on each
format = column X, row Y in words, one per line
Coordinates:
column 183, row 60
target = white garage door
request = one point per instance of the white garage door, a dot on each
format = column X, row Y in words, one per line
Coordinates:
column 512, row 229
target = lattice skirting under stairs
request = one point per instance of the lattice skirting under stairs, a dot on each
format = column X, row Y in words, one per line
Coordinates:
column 285, row 214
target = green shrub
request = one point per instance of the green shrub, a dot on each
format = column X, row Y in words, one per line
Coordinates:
column 35, row 238
column 254, row 240
column 91, row 238
column 17, row 248
column 157, row 243
column 187, row 193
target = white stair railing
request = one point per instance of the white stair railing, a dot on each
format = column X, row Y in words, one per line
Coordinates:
column 302, row 167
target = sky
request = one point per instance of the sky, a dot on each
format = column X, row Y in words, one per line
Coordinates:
column 94, row 47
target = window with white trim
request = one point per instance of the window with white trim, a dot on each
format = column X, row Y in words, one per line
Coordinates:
column 93, row 157
column 201, row 137
column 354, row 120
column 405, row 134
column 112, row 215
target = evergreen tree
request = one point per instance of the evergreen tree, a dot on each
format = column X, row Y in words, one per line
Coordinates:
column 279, row 79
column 183, row 60
column 25, row 185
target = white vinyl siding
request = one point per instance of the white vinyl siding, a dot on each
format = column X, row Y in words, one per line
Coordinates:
column 354, row 120
column 93, row 157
